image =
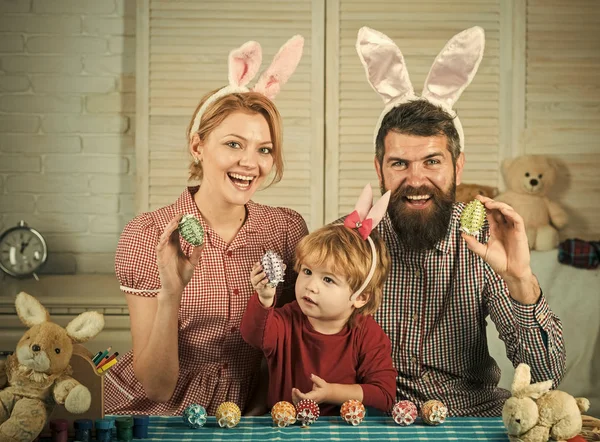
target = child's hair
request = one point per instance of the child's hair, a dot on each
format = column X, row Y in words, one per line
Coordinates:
column 344, row 252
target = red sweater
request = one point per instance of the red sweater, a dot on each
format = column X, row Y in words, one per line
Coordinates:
column 294, row 350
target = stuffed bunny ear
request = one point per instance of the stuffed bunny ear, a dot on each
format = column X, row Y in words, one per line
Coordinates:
column 384, row 64
column 364, row 202
column 380, row 208
column 522, row 378
column 85, row 326
column 283, row 66
column 244, row 63
column 454, row 67
column 30, row 310
column 535, row 391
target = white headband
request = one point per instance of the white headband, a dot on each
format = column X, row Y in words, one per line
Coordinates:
column 244, row 63
column 452, row 71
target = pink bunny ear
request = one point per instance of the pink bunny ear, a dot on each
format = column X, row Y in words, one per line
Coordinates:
column 283, row 66
column 364, row 202
column 380, row 208
column 384, row 65
column 454, row 67
column 244, row 63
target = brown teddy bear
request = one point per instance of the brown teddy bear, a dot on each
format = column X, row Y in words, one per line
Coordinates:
column 534, row 413
column 528, row 180
column 465, row 193
column 37, row 376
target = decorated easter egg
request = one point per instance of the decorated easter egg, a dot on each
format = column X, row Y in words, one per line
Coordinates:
column 228, row 415
column 404, row 413
column 472, row 218
column 434, row 412
column 353, row 411
column 283, row 414
column 273, row 267
column 307, row 412
column 194, row 416
column 191, row 230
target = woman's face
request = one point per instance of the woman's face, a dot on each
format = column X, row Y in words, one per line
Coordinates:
column 236, row 157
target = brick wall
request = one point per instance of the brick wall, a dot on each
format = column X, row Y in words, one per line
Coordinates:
column 67, row 103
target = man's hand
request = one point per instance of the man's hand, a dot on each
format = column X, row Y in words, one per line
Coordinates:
column 260, row 283
column 507, row 250
column 319, row 393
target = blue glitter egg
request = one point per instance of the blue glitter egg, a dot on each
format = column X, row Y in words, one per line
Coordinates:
column 194, row 416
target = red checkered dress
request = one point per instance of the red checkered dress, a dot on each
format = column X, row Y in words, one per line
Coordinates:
column 434, row 310
column 215, row 364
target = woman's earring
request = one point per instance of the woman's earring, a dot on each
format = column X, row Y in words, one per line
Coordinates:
column 196, row 161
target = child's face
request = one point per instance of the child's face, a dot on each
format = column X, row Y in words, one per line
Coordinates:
column 323, row 295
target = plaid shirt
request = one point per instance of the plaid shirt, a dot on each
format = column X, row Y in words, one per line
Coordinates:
column 215, row 364
column 434, row 310
column 579, row 253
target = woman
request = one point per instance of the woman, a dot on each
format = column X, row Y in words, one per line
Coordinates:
column 186, row 303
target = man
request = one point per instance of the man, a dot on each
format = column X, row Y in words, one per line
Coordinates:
column 444, row 284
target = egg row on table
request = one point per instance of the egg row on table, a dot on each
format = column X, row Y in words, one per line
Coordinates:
column 306, row 412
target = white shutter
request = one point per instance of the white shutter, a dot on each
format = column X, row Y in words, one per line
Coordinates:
column 183, row 48
column 421, row 29
column 563, row 103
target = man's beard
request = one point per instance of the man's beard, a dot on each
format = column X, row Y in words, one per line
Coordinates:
column 421, row 229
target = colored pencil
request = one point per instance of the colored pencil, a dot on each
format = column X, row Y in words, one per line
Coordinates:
column 107, row 360
column 106, row 366
column 104, row 353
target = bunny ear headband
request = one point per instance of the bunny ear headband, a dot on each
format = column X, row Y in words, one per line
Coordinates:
column 364, row 219
column 452, row 71
column 244, row 63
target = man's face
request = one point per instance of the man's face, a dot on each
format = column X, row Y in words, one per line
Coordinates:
column 422, row 177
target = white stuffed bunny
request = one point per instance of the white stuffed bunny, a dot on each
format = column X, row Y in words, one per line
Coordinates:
column 535, row 413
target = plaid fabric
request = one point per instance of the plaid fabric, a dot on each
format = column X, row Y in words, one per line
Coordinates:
column 579, row 253
column 215, row 364
column 434, row 310
column 329, row 428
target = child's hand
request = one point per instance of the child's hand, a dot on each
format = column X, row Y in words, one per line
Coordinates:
column 319, row 393
column 259, row 281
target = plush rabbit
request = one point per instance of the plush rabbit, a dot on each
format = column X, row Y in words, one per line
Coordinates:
column 534, row 413
column 37, row 376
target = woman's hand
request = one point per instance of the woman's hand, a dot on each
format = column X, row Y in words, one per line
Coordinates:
column 175, row 269
column 260, row 283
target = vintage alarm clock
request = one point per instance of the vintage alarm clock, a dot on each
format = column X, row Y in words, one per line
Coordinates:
column 23, row 251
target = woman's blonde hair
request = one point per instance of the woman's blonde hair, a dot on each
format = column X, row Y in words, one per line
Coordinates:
column 344, row 252
column 249, row 102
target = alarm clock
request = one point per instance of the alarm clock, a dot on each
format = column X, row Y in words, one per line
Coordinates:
column 23, row 251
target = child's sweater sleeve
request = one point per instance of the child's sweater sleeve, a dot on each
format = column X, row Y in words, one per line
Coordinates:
column 261, row 327
column 376, row 372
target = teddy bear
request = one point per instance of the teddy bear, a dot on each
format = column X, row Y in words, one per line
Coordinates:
column 37, row 375
column 535, row 413
column 465, row 193
column 528, row 180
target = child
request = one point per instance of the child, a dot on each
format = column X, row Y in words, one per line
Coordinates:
column 325, row 345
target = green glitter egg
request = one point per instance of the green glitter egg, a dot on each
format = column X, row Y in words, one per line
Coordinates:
column 472, row 218
column 191, row 230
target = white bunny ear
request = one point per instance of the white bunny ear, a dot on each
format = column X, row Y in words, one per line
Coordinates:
column 454, row 67
column 384, row 65
column 283, row 66
column 244, row 63
column 365, row 201
column 379, row 209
